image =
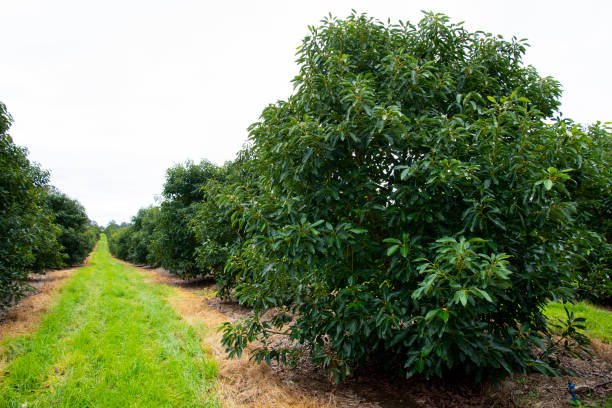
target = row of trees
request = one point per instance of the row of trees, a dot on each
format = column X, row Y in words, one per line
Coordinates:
column 417, row 198
column 40, row 227
column 191, row 233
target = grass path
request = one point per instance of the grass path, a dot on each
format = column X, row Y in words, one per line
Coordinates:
column 598, row 323
column 111, row 340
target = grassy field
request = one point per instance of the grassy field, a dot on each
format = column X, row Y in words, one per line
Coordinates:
column 110, row 341
column 598, row 320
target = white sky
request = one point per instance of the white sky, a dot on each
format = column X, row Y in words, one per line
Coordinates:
column 108, row 94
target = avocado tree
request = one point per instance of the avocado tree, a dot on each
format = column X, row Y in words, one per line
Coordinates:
column 219, row 235
column 591, row 242
column 174, row 244
column 415, row 201
column 77, row 236
column 144, row 224
column 133, row 241
column 28, row 236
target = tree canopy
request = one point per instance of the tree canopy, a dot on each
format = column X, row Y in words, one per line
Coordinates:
column 418, row 199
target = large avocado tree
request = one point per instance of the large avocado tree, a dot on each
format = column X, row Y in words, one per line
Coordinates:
column 416, row 202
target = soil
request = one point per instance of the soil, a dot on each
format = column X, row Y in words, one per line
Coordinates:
column 246, row 384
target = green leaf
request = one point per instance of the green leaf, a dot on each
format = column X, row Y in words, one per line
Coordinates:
column 392, row 241
column 548, row 184
column 420, row 365
column 405, row 173
column 444, row 315
column 484, row 294
column 462, row 297
column 392, row 249
column 431, row 314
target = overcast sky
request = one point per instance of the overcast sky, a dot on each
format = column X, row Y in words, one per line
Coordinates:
column 108, row 94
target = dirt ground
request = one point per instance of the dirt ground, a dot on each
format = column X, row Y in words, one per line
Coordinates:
column 246, row 384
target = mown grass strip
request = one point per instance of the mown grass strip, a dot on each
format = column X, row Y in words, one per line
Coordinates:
column 110, row 341
column 598, row 320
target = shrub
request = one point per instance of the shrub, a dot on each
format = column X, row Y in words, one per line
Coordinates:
column 120, row 240
column 133, row 241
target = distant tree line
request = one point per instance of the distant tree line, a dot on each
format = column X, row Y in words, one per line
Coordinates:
column 416, row 198
column 192, row 232
column 40, row 227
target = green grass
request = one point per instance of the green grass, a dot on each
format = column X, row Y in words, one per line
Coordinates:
column 598, row 320
column 109, row 341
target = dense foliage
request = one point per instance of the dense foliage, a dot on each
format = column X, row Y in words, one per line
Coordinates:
column 192, row 232
column 219, row 235
column 166, row 235
column 33, row 237
column 592, row 238
column 175, row 243
column 132, row 242
column 143, row 230
column 77, row 236
column 417, row 200
column 27, row 234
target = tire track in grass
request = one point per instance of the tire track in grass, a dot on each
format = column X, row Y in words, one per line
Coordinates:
column 110, row 341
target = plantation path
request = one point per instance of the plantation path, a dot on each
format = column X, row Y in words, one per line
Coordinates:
column 109, row 340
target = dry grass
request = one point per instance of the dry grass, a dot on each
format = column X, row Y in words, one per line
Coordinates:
column 602, row 350
column 241, row 383
column 25, row 315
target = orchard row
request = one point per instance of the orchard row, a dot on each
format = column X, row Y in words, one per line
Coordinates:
column 40, row 227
